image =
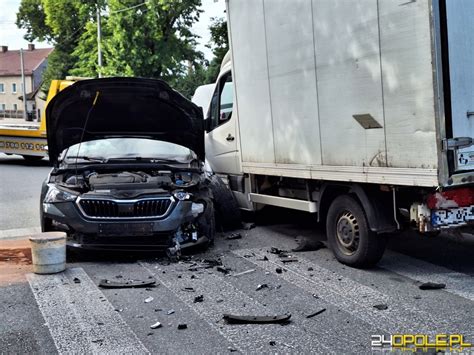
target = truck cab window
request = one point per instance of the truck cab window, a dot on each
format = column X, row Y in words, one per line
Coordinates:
column 222, row 101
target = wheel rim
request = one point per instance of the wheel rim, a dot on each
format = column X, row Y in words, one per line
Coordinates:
column 347, row 233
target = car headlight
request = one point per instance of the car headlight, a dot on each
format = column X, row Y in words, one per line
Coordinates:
column 57, row 195
column 182, row 195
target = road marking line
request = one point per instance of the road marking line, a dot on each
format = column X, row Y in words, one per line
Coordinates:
column 79, row 317
column 247, row 337
column 19, row 232
column 456, row 283
column 349, row 295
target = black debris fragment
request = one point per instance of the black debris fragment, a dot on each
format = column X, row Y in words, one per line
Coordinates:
column 314, row 314
column 278, row 270
column 232, row 350
column 417, row 297
column 188, row 289
column 249, row 226
column 235, row 319
column 223, row 269
column 76, row 280
column 199, row 298
column 171, row 311
column 310, row 269
column 126, row 284
column 307, row 244
column 431, row 286
column 262, row 286
column 381, row 307
column 277, row 251
column 272, row 343
column 182, row 326
column 205, row 264
column 263, row 259
column 234, row 236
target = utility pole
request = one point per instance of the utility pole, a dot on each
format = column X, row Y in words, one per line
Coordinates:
column 23, row 84
column 99, row 39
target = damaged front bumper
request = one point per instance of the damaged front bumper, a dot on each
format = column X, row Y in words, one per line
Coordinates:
column 125, row 234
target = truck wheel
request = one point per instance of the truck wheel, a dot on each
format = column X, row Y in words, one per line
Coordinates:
column 32, row 157
column 349, row 235
column 225, row 205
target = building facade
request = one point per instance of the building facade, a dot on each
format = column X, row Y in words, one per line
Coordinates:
column 11, row 86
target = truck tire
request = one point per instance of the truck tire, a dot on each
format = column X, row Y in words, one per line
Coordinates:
column 349, row 235
column 226, row 208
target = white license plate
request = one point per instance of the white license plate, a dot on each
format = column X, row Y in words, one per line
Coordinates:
column 452, row 217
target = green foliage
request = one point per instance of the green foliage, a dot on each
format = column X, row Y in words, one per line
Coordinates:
column 140, row 38
column 188, row 83
column 153, row 40
column 31, row 16
column 219, row 44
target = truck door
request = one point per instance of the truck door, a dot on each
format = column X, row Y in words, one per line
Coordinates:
column 221, row 139
column 460, row 38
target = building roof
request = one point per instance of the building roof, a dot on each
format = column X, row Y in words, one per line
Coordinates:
column 10, row 61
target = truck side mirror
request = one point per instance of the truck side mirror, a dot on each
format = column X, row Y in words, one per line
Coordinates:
column 207, row 124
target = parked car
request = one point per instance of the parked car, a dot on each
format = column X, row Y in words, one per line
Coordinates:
column 127, row 174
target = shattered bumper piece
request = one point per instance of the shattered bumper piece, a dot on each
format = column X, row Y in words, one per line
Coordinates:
column 234, row 319
column 126, row 284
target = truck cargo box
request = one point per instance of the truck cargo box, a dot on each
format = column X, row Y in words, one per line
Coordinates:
column 366, row 91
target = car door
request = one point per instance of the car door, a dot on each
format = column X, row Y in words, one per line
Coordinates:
column 221, row 139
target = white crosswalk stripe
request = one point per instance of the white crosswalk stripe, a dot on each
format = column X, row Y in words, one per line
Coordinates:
column 79, row 317
column 456, row 283
column 349, row 295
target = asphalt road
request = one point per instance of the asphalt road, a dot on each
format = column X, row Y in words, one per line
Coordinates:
column 69, row 313
column 20, row 186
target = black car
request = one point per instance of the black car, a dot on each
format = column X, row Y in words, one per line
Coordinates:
column 127, row 173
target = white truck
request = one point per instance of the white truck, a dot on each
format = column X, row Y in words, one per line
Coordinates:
column 360, row 112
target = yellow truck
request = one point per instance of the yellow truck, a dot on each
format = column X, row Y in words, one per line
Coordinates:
column 29, row 141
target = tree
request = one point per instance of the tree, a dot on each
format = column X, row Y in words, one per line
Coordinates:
column 219, row 44
column 59, row 22
column 140, row 38
column 153, row 40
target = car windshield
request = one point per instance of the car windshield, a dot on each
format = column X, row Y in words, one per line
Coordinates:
column 128, row 148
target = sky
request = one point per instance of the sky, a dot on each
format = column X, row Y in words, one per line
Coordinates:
column 12, row 36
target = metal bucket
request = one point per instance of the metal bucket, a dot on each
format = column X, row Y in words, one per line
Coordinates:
column 48, row 251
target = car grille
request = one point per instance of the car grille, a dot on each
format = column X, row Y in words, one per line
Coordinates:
column 147, row 208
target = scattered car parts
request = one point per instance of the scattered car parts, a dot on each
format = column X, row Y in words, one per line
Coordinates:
column 432, row 286
column 314, row 314
column 126, row 284
column 235, row 319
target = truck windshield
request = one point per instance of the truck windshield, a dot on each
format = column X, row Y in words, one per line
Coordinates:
column 120, row 148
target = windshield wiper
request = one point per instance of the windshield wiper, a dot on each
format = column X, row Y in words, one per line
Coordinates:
column 161, row 160
column 84, row 157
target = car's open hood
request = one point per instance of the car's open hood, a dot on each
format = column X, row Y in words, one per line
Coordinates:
column 122, row 107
